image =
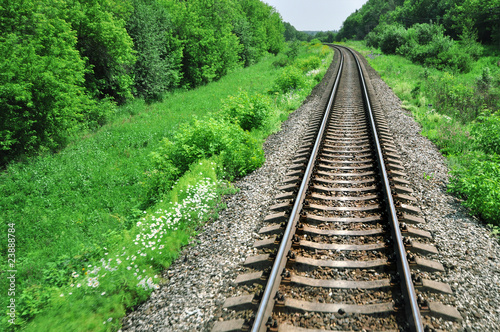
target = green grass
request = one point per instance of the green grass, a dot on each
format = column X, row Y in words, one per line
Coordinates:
column 90, row 202
column 459, row 116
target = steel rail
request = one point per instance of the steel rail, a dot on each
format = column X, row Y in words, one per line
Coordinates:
column 265, row 306
column 412, row 308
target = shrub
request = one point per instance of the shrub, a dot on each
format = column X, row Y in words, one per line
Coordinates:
column 210, row 48
column 424, row 44
column 239, row 152
column 484, row 82
column 486, row 131
column 281, row 62
column 455, row 59
column 42, row 100
column 293, row 50
column 247, row 111
column 425, row 33
column 308, row 64
column 105, row 45
column 373, row 39
column 164, row 173
column 290, row 78
column 478, row 181
column 392, row 37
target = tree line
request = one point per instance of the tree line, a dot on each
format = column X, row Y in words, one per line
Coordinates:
column 65, row 64
column 456, row 17
column 292, row 34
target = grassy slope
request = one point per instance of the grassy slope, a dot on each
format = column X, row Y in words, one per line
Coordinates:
column 68, row 204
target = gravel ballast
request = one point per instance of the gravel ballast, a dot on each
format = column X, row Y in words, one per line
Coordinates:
column 203, row 275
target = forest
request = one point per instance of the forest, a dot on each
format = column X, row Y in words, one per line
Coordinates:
column 65, row 65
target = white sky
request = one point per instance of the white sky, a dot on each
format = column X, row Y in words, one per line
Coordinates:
column 316, row 15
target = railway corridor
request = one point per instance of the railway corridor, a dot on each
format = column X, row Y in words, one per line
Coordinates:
column 342, row 248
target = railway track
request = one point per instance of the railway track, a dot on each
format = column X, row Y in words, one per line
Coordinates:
column 342, row 249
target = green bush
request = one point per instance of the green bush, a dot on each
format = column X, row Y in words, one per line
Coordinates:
column 163, row 175
column 373, row 39
column 281, row 61
column 425, row 44
column 247, row 111
column 263, row 29
column 308, row 64
column 486, row 131
column 239, row 152
column 210, row 48
column 478, row 181
column 293, row 49
column 290, row 78
column 425, row 33
column 392, row 37
column 104, row 43
column 455, row 59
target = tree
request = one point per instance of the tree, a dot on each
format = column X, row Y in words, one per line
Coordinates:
column 210, row 48
column 159, row 54
column 480, row 15
column 41, row 78
column 104, row 44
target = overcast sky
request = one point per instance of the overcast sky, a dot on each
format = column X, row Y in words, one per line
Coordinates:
column 316, row 15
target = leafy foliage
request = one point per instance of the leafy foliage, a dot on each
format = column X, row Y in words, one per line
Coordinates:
column 308, row 64
column 202, row 139
column 425, row 44
column 290, row 78
column 364, row 20
column 457, row 16
column 64, row 64
column 392, row 38
column 478, row 181
column 104, row 43
column 210, row 47
column 158, row 66
column 247, row 111
column 486, row 131
column 41, row 77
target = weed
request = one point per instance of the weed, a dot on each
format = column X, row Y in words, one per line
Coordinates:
column 495, row 230
column 428, row 177
column 247, row 111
